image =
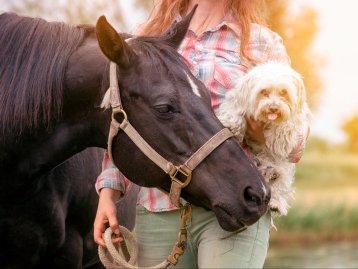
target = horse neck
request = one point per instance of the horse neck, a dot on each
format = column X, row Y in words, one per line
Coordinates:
column 34, row 155
column 83, row 124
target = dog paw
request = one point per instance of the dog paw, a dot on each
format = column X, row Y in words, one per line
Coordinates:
column 278, row 208
column 274, row 176
column 269, row 173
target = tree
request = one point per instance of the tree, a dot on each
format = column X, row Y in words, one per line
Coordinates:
column 298, row 30
column 350, row 127
column 72, row 12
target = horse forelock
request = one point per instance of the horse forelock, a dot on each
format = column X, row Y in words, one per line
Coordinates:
column 175, row 62
column 106, row 102
column 34, row 55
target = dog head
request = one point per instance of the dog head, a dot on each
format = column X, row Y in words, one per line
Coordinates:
column 274, row 92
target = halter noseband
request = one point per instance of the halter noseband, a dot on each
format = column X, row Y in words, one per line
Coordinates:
column 185, row 169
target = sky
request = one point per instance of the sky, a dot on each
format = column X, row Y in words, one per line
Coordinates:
column 338, row 42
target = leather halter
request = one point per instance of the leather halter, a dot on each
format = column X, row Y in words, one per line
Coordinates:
column 169, row 168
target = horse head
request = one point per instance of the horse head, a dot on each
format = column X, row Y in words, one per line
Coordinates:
column 171, row 110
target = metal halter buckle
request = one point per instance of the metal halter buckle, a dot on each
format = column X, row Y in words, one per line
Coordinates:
column 188, row 177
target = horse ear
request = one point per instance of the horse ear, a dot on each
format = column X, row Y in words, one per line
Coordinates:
column 178, row 30
column 112, row 44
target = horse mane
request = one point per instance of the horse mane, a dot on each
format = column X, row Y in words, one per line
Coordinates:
column 33, row 48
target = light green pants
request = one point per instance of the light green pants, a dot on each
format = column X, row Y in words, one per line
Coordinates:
column 157, row 233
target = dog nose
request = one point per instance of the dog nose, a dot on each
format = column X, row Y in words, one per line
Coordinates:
column 273, row 109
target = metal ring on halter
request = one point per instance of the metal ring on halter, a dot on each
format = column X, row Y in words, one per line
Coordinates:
column 120, row 111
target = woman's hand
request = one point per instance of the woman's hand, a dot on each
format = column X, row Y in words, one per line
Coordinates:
column 255, row 130
column 106, row 216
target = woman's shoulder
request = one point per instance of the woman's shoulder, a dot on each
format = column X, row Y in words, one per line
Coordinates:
column 263, row 34
column 266, row 45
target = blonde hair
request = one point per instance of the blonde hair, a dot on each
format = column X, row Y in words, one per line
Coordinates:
column 164, row 13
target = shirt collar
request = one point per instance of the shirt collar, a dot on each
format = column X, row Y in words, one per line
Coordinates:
column 229, row 20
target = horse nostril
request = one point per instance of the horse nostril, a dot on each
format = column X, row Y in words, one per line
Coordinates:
column 251, row 198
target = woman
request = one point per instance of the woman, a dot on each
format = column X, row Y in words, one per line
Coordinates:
column 224, row 40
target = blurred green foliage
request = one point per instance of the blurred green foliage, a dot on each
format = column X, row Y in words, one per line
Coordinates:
column 331, row 169
column 318, row 144
column 326, row 199
column 323, row 217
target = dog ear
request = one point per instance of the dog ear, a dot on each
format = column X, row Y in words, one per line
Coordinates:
column 240, row 94
column 246, row 86
column 301, row 92
column 231, row 112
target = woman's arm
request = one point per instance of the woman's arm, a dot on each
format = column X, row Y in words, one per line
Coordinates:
column 112, row 186
column 106, row 216
column 111, row 177
column 302, row 135
column 255, row 130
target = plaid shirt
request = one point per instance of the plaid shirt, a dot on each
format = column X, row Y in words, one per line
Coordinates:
column 214, row 59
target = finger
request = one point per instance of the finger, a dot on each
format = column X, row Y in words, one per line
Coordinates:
column 113, row 223
column 250, row 122
column 116, row 240
column 97, row 235
column 98, row 230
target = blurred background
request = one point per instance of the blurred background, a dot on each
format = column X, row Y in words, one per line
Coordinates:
column 321, row 229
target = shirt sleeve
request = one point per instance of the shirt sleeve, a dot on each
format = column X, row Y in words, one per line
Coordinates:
column 302, row 135
column 277, row 51
column 111, row 177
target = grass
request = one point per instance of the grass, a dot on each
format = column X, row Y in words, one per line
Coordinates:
column 325, row 171
column 326, row 201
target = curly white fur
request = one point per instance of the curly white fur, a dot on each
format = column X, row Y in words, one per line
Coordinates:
column 274, row 94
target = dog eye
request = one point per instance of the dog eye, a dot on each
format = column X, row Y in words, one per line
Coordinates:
column 283, row 92
column 264, row 92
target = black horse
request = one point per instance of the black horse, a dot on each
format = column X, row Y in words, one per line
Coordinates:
column 52, row 81
column 51, row 223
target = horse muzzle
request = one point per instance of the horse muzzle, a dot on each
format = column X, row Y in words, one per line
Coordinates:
column 252, row 206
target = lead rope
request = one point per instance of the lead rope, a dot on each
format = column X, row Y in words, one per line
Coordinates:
column 111, row 258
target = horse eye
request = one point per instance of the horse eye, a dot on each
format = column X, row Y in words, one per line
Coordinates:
column 163, row 109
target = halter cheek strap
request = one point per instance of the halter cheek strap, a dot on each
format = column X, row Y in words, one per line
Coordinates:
column 169, row 168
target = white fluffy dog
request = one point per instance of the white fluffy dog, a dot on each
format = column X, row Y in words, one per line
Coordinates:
column 274, row 94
